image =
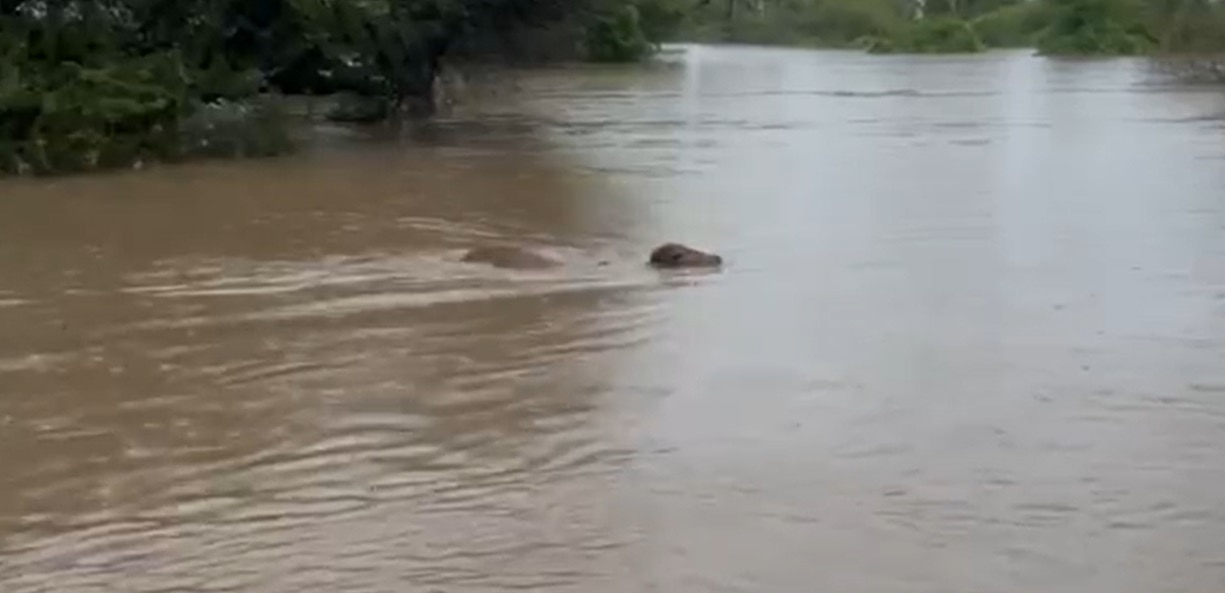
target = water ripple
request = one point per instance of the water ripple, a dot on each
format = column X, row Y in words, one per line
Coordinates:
column 937, row 363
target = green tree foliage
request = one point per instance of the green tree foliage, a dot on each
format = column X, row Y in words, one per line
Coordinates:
column 1095, row 27
column 71, row 99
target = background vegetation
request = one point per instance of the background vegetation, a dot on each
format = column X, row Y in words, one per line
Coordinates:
column 1115, row 27
column 90, row 84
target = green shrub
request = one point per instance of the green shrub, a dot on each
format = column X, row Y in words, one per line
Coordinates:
column 112, row 110
column 1087, row 27
column 1103, row 39
column 69, row 116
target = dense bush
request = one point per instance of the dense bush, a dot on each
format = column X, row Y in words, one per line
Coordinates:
column 70, row 102
column 1085, row 27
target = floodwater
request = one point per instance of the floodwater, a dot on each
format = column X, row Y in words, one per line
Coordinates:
column 970, row 338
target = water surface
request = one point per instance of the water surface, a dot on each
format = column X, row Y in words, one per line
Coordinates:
column 969, row 339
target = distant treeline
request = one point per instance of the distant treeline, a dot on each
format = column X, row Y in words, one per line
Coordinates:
column 90, row 84
column 1052, row 26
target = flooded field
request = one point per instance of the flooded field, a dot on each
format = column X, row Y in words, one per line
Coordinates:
column 970, row 338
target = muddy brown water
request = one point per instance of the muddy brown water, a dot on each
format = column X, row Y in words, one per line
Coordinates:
column 970, row 338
